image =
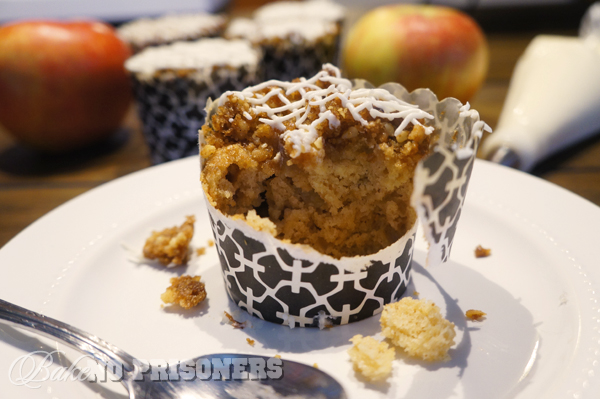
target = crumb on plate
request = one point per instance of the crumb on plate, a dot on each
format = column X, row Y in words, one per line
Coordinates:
column 228, row 319
column 200, row 251
column 250, row 341
column 481, row 252
column 171, row 245
column 476, row 315
column 211, row 243
column 418, row 327
column 186, row 291
column 371, row 358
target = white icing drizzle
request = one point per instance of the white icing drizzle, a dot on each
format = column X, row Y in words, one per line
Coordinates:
column 378, row 102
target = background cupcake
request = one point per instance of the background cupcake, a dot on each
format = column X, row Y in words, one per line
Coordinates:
column 173, row 82
column 296, row 38
column 146, row 32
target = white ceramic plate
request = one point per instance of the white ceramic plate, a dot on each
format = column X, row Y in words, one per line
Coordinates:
column 540, row 289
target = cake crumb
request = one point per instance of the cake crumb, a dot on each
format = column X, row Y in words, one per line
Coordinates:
column 475, row 315
column 315, row 365
column 200, row 251
column 251, row 342
column 186, row 291
column 211, row 243
column 228, row 319
column 415, row 293
column 371, row 358
column 171, row 245
column 481, row 252
column 258, row 223
column 418, row 327
column 277, row 356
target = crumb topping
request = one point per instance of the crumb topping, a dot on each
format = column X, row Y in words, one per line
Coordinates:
column 171, row 245
column 481, row 252
column 475, row 315
column 185, row 291
column 308, row 98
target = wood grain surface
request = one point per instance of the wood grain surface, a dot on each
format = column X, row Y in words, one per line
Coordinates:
column 32, row 184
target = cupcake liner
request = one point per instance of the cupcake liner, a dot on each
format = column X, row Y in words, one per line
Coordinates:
column 442, row 178
column 171, row 106
column 295, row 285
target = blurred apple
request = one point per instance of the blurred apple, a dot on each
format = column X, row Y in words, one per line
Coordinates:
column 62, row 84
column 435, row 47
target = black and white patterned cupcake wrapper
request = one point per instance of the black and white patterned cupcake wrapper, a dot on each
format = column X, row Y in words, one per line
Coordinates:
column 285, row 60
column 292, row 284
column 295, row 285
column 171, row 106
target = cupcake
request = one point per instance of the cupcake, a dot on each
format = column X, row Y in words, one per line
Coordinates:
column 314, row 186
column 296, row 38
column 146, row 32
column 171, row 84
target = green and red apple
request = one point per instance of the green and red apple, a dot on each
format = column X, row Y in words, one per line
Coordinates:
column 427, row 46
column 62, row 84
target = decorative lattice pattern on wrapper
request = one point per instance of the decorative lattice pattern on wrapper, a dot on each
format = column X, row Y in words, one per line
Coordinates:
column 442, row 178
column 295, row 285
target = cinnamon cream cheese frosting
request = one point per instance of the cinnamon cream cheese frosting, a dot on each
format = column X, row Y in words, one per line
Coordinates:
column 166, row 29
column 196, row 55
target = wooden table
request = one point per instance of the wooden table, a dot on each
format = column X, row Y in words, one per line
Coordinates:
column 32, row 184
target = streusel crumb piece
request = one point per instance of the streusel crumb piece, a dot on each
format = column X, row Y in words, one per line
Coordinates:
column 186, row 291
column 418, row 327
column 481, row 252
column 475, row 315
column 171, row 246
column 371, row 358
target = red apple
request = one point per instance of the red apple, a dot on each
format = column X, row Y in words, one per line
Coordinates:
column 435, row 47
column 62, row 84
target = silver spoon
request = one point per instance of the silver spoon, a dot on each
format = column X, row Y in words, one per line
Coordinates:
column 297, row 380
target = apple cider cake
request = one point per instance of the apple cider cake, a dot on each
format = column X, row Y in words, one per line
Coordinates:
column 316, row 161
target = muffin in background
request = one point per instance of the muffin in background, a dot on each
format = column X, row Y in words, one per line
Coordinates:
column 147, row 32
column 172, row 83
column 291, row 48
column 296, row 38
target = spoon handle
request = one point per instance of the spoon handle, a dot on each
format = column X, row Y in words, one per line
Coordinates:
column 102, row 351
